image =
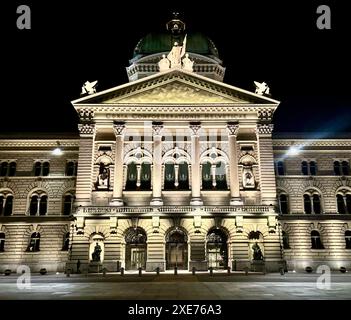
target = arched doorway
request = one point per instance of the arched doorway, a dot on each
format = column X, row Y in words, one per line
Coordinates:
column 217, row 249
column 176, row 249
column 135, row 248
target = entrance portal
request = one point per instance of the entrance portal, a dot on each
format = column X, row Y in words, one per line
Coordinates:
column 217, row 249
column 135, row 249
column 176, row 249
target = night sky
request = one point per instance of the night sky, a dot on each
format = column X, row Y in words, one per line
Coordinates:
column 307, row 69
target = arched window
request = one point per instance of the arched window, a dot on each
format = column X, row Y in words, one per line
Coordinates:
column 285, row 240
column 183, row 176
column 145, row 176
column 46, row 168
column 38, row 204
column 316, row 240
column 221, row 179
column 304, row 168
column 307, row 203
column 70, row 168
column 2, row 242
column 68, row 201
column 6, row 203
column 337, row 169
column 348, row 239
column 206, row 176
column 280, row 168
column 341, row 204
column 37, row 169
column 345, row 168
column 283, row 203
column 131, row 176
column 3, row 169
column 312, row 202
column 169, row 176
column 348, row 203
column 313, row 168
column 34, row 243
column 316, row 204
column 65, row 245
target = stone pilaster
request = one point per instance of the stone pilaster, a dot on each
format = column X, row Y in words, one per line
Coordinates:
column 85, row 163
column 235, row 198
column 117, row 199
column 266, row 163
column 195, row 165
column 157, row 165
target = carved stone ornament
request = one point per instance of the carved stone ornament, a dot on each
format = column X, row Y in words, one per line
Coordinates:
column 265, row 128
column 156, row 129
column 118, row 129
column 86, row 128
column 233, row 129
column 195, row 128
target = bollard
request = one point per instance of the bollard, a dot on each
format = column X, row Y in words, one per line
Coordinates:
column 246, row 269
column 175, row 270
column 281, row 271
column 104, row 272
column 68, row 273
column 122, row 271
column 228, row 270
column 194, row 271
column 158, row 271
column 86, row 271
column 211, row 271
column 140, row 271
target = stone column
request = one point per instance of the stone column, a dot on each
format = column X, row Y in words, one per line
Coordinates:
column 235, row 199
column 117, row 198
column 266, row 163
column 157, row 165
column 195, row 165
column 85, row 164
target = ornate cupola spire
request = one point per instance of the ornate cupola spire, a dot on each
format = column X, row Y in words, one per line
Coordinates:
column 175, row 26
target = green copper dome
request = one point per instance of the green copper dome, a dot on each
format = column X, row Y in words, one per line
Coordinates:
column 163, row 42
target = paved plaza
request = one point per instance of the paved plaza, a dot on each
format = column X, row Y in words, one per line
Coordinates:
column 184, row 286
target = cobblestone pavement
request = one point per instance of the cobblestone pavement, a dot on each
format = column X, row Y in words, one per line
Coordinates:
column 174, row 287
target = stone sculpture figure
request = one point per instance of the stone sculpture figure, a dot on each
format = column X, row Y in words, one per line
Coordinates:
column 248, row 178
column 97, row 252
column 164, row 63
column 176, row 54
column 103, row 179
column 257, row 253
column 187, row 63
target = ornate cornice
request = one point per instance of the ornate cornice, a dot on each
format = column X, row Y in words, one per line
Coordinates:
column 85, row 115
column 264, row 129
column 312, row 143
column 87, row 129
column 37, row 143
column 265, row 114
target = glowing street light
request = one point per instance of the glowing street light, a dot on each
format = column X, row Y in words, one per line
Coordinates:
column 57, row 151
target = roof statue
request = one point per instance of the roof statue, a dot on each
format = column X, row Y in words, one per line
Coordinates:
column 261, row 88
column 175, row 58
column 89, row 87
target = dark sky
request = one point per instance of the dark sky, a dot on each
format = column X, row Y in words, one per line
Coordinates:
column 70, row 42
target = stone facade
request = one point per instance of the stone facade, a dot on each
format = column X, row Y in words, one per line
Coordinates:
column 175, row 169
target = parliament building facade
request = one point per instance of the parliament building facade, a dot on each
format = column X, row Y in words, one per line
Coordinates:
column 175, row 169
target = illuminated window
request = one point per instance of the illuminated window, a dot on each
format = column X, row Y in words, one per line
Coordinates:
column 280, row 170
column 316, row 240
column 348, row 239
column 71, row 168
column 312, row 202
column 285, row 240
column 6, row 204
column 2, row 242
column 68, row 201
column 38, row 204
column 34, row 242
column 283, row 203
column 345, row 168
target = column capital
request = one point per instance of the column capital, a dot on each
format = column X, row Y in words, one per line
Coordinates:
column 156, row 128
column 233, row 128
column 195, row 128
column 264, row 128
column 119, row 128
column 87, row 129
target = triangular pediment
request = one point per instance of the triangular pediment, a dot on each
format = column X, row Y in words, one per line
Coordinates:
column 175, row 87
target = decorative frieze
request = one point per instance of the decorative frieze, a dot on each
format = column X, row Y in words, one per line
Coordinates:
column 86, row 129
column 264, row 128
